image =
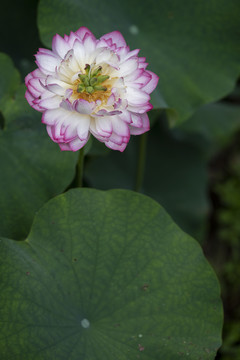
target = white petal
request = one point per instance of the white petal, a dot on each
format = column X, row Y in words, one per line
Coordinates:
column 50, row 117
column 140, row 109
column 136, row 120
column 50, row 79
column 51, row 102
column 125, row 116
column 70, row 131
column 137, row 97
column 80, row 54
column 60, row 46
column 83, row 106
column 128, row 67
column 89, row 44
column 119, row 126
column 47, row 63
column 104, row 126
column 116, row 139
column 77, row 144
column 134, row 75
column 56, row 89
column 83, row 127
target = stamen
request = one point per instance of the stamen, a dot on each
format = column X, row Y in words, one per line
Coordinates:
column 90, row 81
column 102, row 78
column 100, row 88
column 97, row 71
column 93, row 81
column 90, row 89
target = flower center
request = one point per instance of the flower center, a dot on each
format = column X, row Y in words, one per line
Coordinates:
column 92, row 81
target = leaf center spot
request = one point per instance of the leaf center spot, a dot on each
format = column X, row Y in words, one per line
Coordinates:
column 85, row 323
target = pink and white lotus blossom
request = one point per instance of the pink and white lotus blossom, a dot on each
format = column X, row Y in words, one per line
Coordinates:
column 87, row 86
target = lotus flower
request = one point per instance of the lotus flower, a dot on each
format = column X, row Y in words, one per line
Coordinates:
column 87, row 86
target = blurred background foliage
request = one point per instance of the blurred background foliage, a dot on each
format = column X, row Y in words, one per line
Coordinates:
column 192, row 161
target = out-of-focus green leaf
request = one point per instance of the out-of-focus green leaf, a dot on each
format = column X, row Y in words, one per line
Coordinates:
column 107, row 275
column 9, row 81
column 19, row 33
column 192, row 46
column 175, row 175
column 33, row 169
column 216, row 123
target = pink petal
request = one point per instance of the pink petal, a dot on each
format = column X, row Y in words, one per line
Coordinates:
column 123, row 52
column 49, row 131
column 32, row 89
column 37, row 85
column 151, row 85
column 28, row 78
column 38, row 74
column 102, row 43
column 30, row 100
column 72, row 38
column 83, row 31
column 116, row 139
column 114, row 146
column 116, row 38
column 43, row 51
column 140, row 130
column 144, row 79
column 64, row 147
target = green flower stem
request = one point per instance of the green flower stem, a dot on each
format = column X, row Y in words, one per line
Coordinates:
column 80, row 167
column 141, row 161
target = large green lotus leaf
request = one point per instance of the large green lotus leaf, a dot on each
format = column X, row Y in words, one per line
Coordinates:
column 175, row 174
column 192, row 46
column 33, row 169
column 107, row 275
